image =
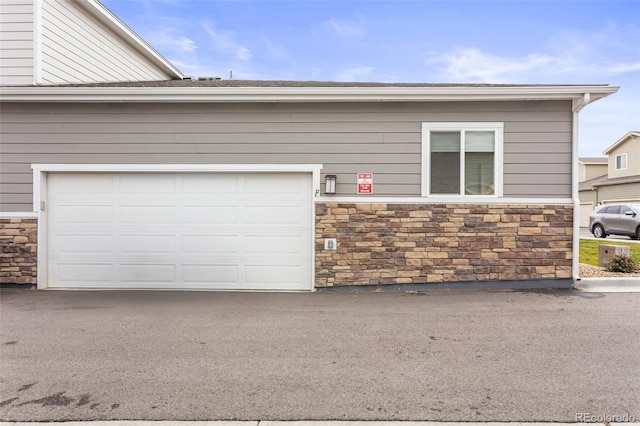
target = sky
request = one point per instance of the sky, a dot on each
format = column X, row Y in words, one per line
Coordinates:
column 415, row 41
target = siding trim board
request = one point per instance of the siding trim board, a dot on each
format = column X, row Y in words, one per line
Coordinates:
column 37, row 42
column 18, row 215
column 443, row 200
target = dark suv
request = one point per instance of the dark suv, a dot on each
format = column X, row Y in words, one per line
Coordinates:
column 618, row 219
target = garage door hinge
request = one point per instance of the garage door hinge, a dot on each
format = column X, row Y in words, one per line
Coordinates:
column 42, row 206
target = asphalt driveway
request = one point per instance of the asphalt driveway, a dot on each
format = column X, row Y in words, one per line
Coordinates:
column 442, row 355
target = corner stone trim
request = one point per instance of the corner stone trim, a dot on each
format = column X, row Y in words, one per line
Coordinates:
column 19, row 260
column 434, row 243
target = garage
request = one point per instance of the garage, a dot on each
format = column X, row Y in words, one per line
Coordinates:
column 177, row 230
column 585, row 212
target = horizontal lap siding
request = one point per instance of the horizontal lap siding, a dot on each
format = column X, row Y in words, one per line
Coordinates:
column 77, row 48
column 631, row 147
column 384, row 139
column 625, row 192
column 16, row 42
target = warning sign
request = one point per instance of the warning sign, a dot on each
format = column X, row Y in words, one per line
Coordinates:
column 365, row 183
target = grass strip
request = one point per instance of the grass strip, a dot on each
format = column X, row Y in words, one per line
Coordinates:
column 589, row 250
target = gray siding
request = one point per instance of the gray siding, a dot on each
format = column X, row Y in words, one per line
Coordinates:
column 78, row 48
column 384, row 139
column 16, row 42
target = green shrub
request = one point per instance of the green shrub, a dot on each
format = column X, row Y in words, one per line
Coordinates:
column 622, row 263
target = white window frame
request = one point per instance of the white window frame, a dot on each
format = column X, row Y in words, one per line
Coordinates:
column 623, row 161
column 497, row 127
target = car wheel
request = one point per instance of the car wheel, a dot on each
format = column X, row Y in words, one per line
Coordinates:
column 598, row 231
column 637, row 236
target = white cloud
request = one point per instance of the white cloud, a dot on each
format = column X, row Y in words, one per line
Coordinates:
column 354, row 73
column 569, row 56
column 473, row 65
column 271, row 49
column 224, row 41
column 343, row 28
column 168, row 39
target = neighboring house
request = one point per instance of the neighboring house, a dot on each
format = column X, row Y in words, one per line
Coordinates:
column 589, row 168
column 621, row 183
column 223, row 184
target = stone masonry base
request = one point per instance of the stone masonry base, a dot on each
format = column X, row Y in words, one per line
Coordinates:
column 18, row 259
column 381, row 244
column 434, row 243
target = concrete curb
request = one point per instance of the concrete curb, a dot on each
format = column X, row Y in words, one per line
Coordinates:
column 609, row 285
column 307, row 423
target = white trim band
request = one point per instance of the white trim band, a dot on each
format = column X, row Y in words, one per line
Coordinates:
column 443, row 200
column 18, row 215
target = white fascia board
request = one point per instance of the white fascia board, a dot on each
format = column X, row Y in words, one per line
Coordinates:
column 96, row 9
column 302, row 94
column 621, row 141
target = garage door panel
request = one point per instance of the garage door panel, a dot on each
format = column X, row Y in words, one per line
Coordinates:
column 274, row 185
column 153, row 273
column 68, row 274
column 147, row 214
column 147, row 184
column 211, row 244
column 210, row 274
column 140, row 243
column 181, row 230
column 79, row 214
column 210, row 215
column 223, row 185
column 285, row 244
column 274, row 215
column 89, row 184
column 258, row 276
column 82, row 243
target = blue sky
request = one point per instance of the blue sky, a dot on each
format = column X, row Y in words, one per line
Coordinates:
column 454, row 41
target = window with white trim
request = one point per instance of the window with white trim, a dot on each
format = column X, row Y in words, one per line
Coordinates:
column 621, row 161
column 462, row 159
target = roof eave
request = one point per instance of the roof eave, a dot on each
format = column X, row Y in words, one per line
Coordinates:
column 621, row 141
column 631, row 179
column 302, row 94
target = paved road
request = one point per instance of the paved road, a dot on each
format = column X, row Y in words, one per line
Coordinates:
column 584, row 233
column 442, row 355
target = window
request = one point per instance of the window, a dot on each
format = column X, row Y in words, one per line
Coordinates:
column 462, row 159
column 621, row 161
column 611, row 210
column 625, row 210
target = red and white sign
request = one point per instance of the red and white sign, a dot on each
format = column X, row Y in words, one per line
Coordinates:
column 365, row 183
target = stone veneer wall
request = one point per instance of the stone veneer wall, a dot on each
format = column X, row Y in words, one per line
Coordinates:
column 18, row 261
column 433, row 243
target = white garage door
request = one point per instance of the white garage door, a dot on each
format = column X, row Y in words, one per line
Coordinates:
column 245, row 231
column 585, row 211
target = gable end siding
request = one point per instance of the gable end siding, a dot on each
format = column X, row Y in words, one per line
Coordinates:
column 631, row 147
column 77, row 48
column 380, row 138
